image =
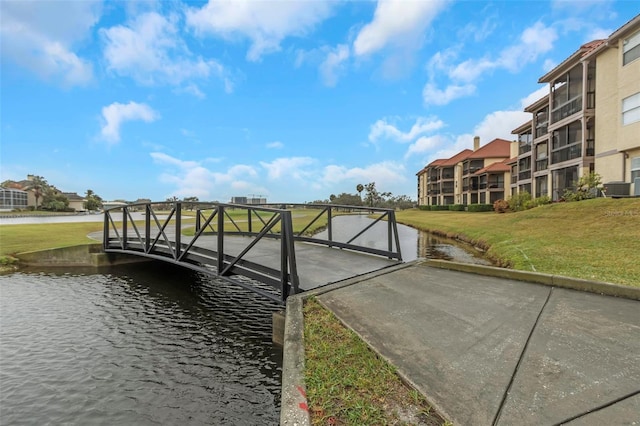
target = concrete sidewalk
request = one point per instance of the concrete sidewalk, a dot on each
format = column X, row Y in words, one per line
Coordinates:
column 495, row 351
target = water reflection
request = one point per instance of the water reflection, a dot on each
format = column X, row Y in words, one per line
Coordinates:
column 413, row 243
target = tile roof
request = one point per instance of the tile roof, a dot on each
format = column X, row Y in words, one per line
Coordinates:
column 500, row 166
column 584, row 50
column 497, row 148
column 462, row 155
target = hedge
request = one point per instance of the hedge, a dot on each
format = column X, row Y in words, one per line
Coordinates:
column 480, row 207
column 456, row 207
column 439, row 208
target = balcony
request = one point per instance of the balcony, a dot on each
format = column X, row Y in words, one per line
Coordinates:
column 524, row 148
column 542, row 164
column 568, row 153
column 525, row 174
column 566, row 109
column 514, row 179
column 591, row 147
column 447, row 189
column 542, row 129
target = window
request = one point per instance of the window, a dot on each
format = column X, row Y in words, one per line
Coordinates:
column 635, row 168
column 631, row 49
column 631, row 109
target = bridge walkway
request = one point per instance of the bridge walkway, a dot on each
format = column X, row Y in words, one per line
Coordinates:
column 317, row 265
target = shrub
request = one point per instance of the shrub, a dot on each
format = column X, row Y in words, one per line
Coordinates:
column 480, row 207
column 456, row 207
column 500, row 206
column 519, row 201
column 588, row 186
column 438, row 208
column 424, row 207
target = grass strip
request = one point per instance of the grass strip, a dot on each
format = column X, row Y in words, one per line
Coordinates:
column 349, row 384
column 595, row 239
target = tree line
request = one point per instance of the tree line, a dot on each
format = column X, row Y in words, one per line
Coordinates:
column 372, row 198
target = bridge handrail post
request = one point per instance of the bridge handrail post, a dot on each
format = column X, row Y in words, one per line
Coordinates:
column 178, row 230
column 329, row 226
column 198, row 222
column 105, row 231
column 220, row 259
column 393, row 227
column 147, row 227
column 124, row 227
column 249, row 220
column 289, row 269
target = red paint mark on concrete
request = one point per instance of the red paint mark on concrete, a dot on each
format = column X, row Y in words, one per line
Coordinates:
column 303, row 406
column 302, row 392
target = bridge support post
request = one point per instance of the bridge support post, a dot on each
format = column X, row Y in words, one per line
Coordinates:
column 278, row 321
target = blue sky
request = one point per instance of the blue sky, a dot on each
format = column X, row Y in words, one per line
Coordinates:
column 290, row 100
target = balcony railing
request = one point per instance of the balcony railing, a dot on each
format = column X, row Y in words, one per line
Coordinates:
column 514, row 179
column 591, row 147
column 542, row 129
column 566, row 109
column 447, row 189
column 526, row 174
column 542, row 164
column 524, row 148
column 568, row 153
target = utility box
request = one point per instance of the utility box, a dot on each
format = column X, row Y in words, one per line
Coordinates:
column 618, row 188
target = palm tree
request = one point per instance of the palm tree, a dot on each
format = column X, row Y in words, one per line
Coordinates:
column 38, row 185
column 360, row 188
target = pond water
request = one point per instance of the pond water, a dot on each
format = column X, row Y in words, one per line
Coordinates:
column 142, row 345
column 413, row 243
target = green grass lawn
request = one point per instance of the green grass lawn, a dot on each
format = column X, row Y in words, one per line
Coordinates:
column 348, row 384
column 593, row 239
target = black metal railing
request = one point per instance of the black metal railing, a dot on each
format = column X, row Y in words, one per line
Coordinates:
column 163, row 237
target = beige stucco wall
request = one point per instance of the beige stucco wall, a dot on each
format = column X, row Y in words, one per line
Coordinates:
column 615, row 82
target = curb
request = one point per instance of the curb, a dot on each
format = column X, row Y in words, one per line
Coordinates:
column 294, row 406
column 599, row 287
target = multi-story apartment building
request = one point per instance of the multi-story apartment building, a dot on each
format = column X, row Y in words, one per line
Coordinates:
column 469, row 177
column 617, row 132
column 590, row 121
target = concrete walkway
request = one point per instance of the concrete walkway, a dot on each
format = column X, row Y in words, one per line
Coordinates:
column 495, row 351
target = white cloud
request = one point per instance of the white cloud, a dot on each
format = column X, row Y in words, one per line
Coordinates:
column 387, row 174
column 265, row 23
column 192, row 179
column 275, row 145
column 150, row 50
column 434, row 96
column 293, row 167
column 534, row 96
column 382, row 129
column 40, row 37
column 499, row 124
column 533, row 42
column 425, row 144
column 115, row 114
column 396, row 22
column 333, row 64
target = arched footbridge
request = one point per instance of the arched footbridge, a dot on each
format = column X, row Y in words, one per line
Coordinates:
column 274, row 250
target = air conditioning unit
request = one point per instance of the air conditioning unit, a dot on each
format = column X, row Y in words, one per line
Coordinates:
column 618, row 189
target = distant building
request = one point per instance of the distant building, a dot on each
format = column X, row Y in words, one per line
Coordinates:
column 247, row 200
column 469, row 177
column 76, row 202
column 13, row 199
